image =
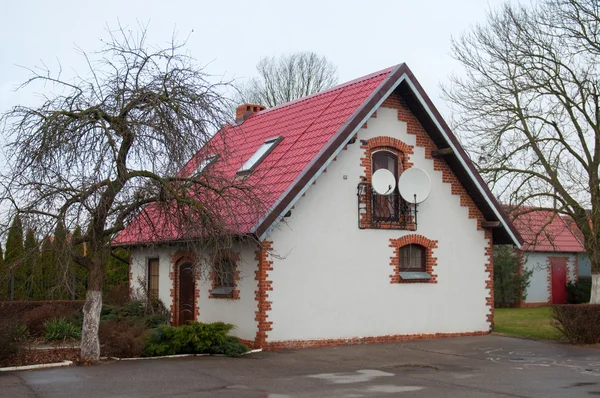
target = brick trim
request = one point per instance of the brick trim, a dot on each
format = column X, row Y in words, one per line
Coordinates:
column 178, row 258
column 235, row 294
column 264, row 285
column 414, row 127
column 294, row 344
column 489, row 269
column 131, row 277
column 430, row 260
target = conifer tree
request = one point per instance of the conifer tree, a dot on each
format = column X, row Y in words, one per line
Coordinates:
column 13, row 258
column 47, row 268
column 62, row 278
column 78, row 272
column 31, row 266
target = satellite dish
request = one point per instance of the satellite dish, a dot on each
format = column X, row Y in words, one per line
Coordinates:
column 383, row 182
column 414, row 185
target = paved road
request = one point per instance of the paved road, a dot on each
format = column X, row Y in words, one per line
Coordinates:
column 485, row 366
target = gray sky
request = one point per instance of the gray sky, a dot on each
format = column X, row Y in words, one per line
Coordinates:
column 359, row 37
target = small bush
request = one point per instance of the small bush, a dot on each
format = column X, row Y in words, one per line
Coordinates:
column 579, row 323
column 231, row 347
column 59, row 329
column 580, row 291
column 118, row 295
column 194, row 338
column 121, row 339
column 10, row 334
column 154, row 321
column 511, row 280
column 36, row 318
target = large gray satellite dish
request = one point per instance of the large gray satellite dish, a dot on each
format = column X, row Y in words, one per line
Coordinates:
column 414, row 185
column 383, row 182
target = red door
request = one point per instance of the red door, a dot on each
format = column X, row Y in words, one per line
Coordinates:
column 559, row 279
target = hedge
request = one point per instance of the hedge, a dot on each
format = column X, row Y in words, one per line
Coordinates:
column 16, row 309
column 579, row 323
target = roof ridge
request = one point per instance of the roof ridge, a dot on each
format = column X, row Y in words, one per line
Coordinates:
column 326, row 91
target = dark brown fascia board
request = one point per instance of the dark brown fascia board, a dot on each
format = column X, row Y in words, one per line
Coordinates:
column 438, row 153
column 393, row 79
column 460, row 152
column 343, row 134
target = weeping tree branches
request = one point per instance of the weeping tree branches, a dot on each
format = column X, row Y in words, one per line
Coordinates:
column 108, row 148
column 528, row 107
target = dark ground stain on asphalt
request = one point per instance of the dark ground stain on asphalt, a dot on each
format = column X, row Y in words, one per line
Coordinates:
column 582, row 384
column 414, row 366
column 594, row 392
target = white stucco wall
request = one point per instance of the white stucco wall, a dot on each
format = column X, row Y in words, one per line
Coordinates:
column 537, row 292
column 585, row 266
column 240, row 312
column 334, row 281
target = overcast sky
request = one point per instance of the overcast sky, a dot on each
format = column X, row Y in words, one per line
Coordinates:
column 359, row 37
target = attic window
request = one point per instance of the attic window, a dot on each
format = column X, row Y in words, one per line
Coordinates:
column 259, row 155
column 207, row 161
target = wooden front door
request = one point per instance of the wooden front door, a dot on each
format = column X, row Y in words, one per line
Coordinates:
column 558, row 267
column 186, row 293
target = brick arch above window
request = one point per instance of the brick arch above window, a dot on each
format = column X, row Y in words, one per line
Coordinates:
column 430, row 260
column 391, row 144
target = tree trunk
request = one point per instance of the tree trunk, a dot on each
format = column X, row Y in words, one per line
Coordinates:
column 90, row 344
column 595, row 296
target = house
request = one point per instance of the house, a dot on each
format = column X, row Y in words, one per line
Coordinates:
column 553, row 251
column 338, row 261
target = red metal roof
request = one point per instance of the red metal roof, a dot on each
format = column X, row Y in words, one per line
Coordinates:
column 546, row 231
column 306, row 126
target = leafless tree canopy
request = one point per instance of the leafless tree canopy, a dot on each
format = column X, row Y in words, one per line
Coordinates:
column 528, row 107
column 288, row 77
column 106, row 147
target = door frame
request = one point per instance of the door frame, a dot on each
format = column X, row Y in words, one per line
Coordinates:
column 175, row 290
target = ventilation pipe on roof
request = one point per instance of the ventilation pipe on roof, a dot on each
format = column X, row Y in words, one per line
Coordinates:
column 244, row 111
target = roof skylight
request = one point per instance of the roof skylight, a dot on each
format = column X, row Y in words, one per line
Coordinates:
column 207, row 161
column 259, row 155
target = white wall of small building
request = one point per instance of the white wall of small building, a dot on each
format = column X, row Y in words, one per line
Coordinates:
column 538, row 290
column 334, row 281
column 240, row 313
column 585, row 265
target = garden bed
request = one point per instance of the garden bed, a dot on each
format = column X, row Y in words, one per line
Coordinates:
column 27, row 356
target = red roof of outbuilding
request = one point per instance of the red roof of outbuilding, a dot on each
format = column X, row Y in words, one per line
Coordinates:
column 546, row 231
column 314, row 129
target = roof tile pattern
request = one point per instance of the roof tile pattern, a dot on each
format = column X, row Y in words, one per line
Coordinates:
column 306, row 126
column 545, row 231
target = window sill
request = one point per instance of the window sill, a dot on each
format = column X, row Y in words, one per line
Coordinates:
column 223, row 293
column 416, row 277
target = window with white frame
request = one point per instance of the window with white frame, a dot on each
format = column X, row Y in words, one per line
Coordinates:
column 261, row 153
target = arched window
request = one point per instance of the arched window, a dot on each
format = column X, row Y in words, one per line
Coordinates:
column 386, row 207
column 412, row 258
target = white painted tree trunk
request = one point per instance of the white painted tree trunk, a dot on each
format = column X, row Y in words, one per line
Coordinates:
column 90, row 344
column 595, row 296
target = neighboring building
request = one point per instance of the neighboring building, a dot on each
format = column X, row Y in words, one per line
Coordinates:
column 337, row 263
column 553, row 251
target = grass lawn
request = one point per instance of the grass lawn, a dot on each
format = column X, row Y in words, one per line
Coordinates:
column 525, row 322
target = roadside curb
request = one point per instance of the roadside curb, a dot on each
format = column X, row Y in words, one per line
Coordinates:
column 38, row 366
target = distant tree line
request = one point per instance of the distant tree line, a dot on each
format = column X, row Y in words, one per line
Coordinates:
column 42, row 269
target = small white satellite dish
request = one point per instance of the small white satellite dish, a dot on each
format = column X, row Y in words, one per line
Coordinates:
column 383, row 182
column 414, row 185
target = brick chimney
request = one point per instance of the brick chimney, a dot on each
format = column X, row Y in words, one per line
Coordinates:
column 244, row 111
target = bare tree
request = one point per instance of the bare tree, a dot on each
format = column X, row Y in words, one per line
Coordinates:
column 104, row 151
column 288, row 77
column 528, row 108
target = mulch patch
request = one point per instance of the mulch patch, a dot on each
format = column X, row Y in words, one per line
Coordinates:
column 33, row 357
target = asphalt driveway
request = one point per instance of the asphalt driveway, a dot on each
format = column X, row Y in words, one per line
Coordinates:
column 485, row 366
